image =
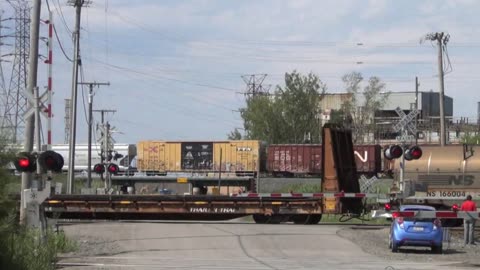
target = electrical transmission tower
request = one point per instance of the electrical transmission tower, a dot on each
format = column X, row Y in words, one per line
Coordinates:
column 67, row 120
column 15, row 106
column 255, row 85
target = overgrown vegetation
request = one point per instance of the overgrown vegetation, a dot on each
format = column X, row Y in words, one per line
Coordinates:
column 21, row 247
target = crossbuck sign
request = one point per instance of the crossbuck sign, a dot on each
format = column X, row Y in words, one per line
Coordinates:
column 406, row 121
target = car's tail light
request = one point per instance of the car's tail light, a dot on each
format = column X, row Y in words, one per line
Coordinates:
column 400, row 222
column 437, row 224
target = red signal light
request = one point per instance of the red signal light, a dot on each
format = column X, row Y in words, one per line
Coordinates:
column 388, row 207
column 413, row 152
column 455, row 207
column 393, row 152
column 51, row 161
column 113, row 168
column 25, row 162
column 99, row 168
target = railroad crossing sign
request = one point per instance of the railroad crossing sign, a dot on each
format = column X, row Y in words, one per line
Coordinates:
column 406, row 120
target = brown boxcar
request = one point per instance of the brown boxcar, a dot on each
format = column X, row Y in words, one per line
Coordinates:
column 290, row 159
column 368, row 159
column 306, row 159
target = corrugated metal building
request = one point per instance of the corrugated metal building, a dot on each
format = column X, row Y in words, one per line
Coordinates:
column 428, row 104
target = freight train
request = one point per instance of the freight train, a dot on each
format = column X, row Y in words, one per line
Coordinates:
column 244, row 158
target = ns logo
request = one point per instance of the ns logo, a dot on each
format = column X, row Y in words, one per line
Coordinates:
column 447, row 180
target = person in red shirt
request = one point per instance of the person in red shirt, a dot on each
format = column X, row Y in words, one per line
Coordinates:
column 469, row 222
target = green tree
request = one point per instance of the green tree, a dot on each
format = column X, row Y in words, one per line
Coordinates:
column 290, row 115
column 359, row 113
column 235, row 135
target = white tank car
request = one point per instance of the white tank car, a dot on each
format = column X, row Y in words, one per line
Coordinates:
column 122, row 155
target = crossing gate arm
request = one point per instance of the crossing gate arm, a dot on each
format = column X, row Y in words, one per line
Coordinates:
column 427, row 214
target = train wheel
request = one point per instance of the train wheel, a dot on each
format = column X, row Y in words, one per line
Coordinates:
column 314, row 219
column 261, row 219
column 300, row 219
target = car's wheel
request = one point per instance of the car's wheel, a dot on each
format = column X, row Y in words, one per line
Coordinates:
column 437, row 249
column 393, row 245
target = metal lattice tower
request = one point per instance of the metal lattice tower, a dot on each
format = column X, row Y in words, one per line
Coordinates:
column 255, row 85
column 67, row 120
column 13, row 123
column 2, row 78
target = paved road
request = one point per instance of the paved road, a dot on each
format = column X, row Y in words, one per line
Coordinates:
column 222, row 246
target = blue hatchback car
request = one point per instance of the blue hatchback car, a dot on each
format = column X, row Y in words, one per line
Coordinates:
column 424, row 232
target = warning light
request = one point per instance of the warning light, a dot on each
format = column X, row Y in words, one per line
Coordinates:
column 455, row 207
column 99, row 168
column 25, row 162
column 393, row 152
column 413, row 152
column 388, row 207
column 51, row 161
column 113, row 168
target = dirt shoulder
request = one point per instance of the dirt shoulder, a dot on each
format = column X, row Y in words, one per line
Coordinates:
column 374, row 240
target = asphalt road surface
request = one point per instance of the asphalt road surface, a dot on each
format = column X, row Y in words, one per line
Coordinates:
column 220, row 245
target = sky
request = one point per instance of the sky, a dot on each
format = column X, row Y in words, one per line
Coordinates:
column 175, row 67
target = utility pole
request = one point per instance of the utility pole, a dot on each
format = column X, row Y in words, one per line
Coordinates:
column 417, row 84
column 31, row 84
column 90, row 122
column 76, row 62
column 442, row 40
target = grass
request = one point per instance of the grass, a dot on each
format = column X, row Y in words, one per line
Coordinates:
column 23, row 248
column 301, row 188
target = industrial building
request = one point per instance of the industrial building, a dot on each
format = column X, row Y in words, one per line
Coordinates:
column 427, row 121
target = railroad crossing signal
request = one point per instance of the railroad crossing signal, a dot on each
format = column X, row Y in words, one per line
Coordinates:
column 395, row 151
column 51, row 161
column 25, row 162
column 406, row 120
column 99, row 168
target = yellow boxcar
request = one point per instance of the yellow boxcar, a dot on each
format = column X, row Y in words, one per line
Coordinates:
column 238, row 157
column 158, row 156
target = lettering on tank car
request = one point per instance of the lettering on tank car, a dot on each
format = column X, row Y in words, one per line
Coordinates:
column 447, row 180
column 219, row 210
column 446, row 194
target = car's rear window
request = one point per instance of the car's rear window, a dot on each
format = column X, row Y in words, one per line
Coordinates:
column 418, row 219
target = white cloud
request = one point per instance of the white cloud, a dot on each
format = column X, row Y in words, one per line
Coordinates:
column 374, row 9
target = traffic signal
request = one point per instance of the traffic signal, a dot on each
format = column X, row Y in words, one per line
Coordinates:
column 51, row 161
column 99, row 168
column 413, row 152
column 25, row 162
column 113, row 168
column 393, row 152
